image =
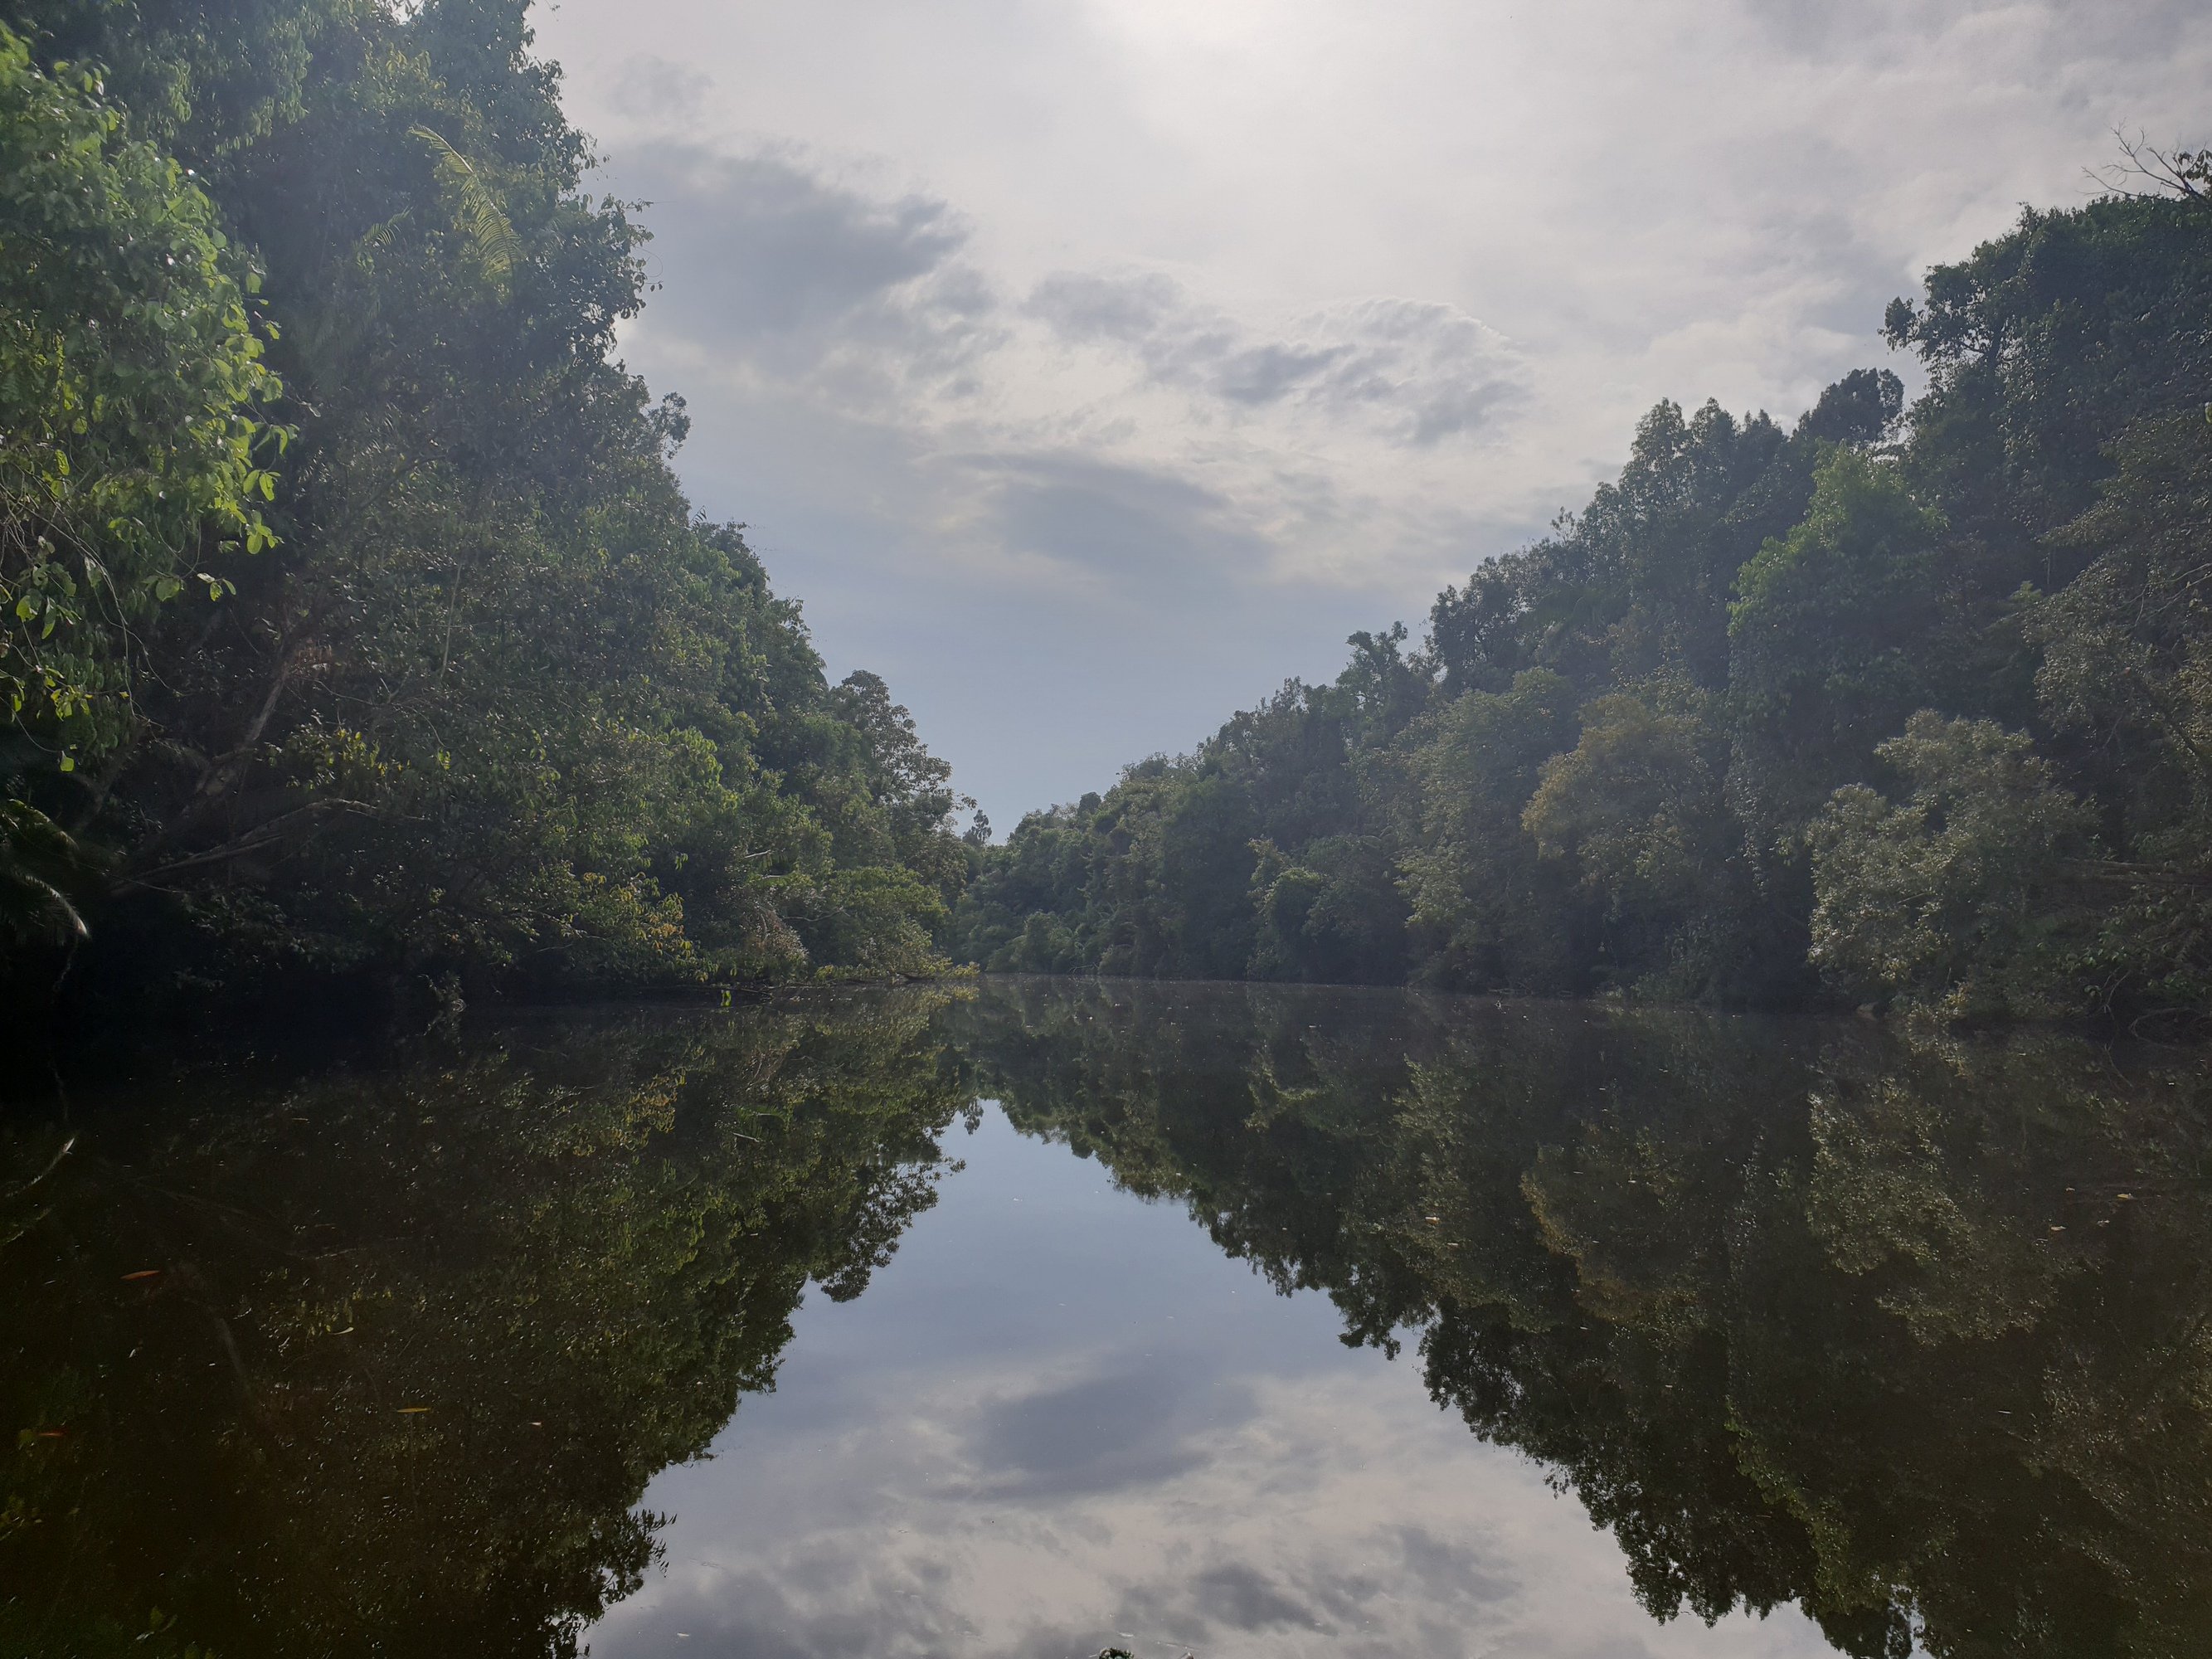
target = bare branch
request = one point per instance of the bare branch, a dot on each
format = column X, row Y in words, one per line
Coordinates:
column 2183, row 173
column 267, row 834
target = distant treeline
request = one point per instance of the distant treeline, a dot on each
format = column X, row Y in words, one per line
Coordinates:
column 352, row 621
column 1892, row 705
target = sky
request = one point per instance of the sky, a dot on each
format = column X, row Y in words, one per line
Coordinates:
column 1088, row 367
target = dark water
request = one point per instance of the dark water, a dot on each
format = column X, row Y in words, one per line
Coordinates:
column 1185, row 1319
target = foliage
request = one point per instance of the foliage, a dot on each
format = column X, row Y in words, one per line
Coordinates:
column 1637, row 806
column 39, row 864
column 496, row 705
column 1951, row 893
column 2126, row 680
column 1472, row 869
column 1830, row 631
column 1904, row 1329
column 130, row 377
column 1614, row 767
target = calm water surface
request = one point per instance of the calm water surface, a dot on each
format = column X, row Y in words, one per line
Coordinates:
column 1211, row 1319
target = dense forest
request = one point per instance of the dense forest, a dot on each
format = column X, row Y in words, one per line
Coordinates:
column 1893, row 705
column 353, row 624
column 355, row 629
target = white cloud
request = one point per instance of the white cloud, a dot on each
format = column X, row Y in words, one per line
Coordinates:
column 789, row 275
column 1414, row 372
column 1339, row 299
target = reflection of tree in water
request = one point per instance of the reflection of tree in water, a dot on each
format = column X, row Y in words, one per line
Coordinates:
column 1919, row 1339
column 420, row 1334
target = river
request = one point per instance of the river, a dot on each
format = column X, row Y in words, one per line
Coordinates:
column 1022, row 1320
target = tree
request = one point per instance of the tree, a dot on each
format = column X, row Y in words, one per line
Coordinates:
column 496, row 707
column 1500, row 915
column 1951, row 898
column 132, row 382
column 2126, row 681
column 1906, row 1333
column 1605, row 765
column 423, row 1330
column 1831, row 634
column 1636, row 807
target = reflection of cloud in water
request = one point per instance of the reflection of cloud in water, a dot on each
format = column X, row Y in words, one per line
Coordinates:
column 1288, row 1534
column 1100, row 1434
column 1190, row 1480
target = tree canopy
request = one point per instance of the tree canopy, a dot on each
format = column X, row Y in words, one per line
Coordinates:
column 1893, row 705
column 354, row 625
column 355, row 628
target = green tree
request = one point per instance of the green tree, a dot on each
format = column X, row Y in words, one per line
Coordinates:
column 1952, row 896
column 2126, row 681
column 131, row 380
column 1907, row 1334
column 496, row 707
column 1500, row 915
column 1636, row 807
column 1832, row 632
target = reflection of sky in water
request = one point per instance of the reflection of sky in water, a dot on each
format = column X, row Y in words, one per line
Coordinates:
column 1061, row 1418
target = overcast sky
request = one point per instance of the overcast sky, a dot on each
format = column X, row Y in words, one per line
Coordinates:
column 1088, row 367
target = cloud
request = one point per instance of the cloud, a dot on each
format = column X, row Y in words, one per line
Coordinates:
column 1278, row 1530
column 646, row 86
column 1280, row 313
column 1116, row 530
column 792, row 273
column 1421, row 371
column 1108, row 435
column 2093, row 29
column 1099, row 1433
column 1068, row 1422
column 1243, row 1597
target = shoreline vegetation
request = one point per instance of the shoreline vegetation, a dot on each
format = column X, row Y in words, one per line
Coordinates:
column 361, row 644
column 360, row 641
column 1895, row 707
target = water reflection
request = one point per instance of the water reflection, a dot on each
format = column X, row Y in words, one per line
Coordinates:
column 381, row 1361
column 1913, row 1339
